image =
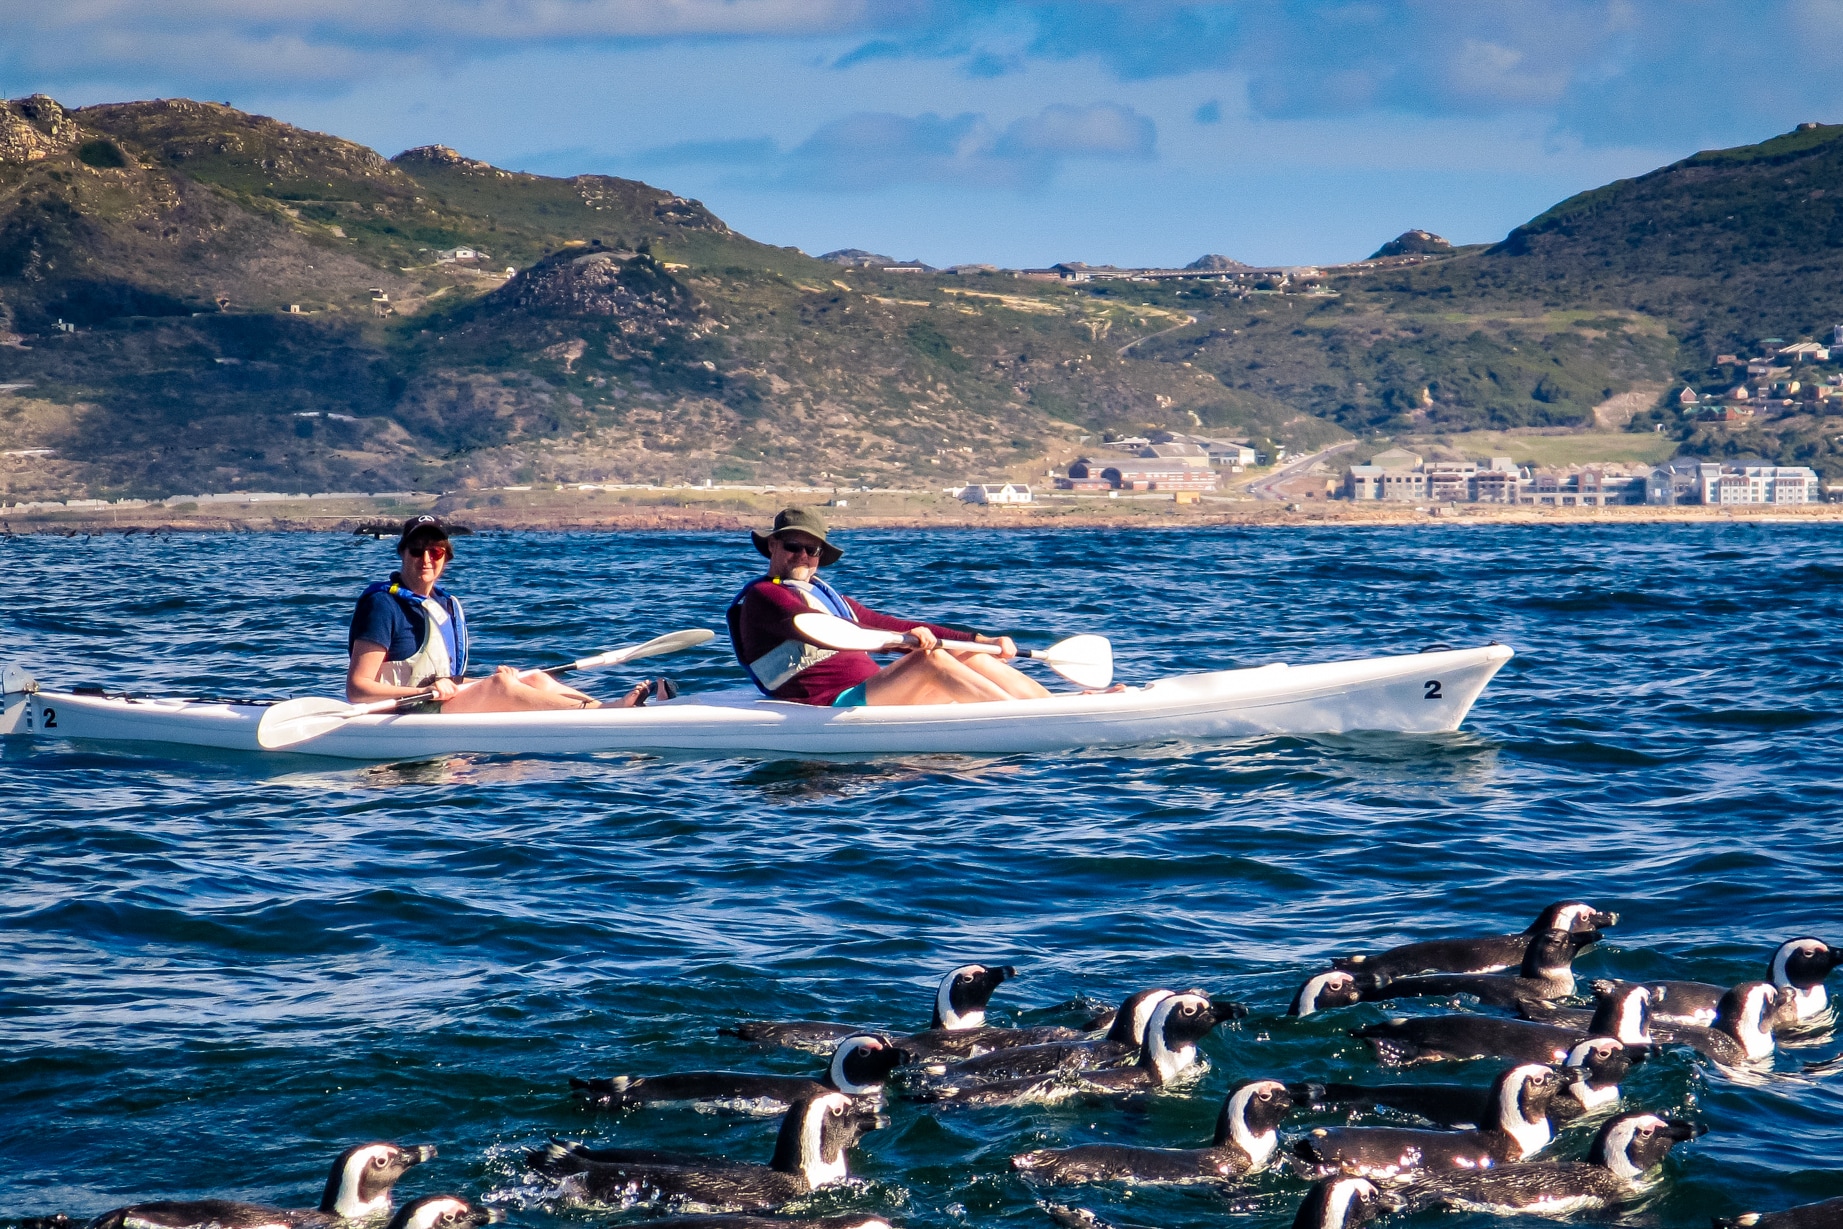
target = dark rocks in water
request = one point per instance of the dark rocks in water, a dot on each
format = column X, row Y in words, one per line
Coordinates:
column 1212, row 261
column 1413, row 243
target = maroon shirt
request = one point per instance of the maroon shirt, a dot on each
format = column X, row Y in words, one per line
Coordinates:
column 765, row 619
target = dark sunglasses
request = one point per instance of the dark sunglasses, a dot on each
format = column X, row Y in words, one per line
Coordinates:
column 438, row 549
column 801, row 548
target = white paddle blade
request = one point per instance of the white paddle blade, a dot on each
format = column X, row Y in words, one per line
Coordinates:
column 1086, row 661
column 832, row 632
column 671, row 642
column 296, row 721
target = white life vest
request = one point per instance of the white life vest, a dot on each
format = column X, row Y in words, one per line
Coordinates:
column 431, row 660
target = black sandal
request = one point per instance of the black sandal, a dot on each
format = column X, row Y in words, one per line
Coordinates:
column 665, row 689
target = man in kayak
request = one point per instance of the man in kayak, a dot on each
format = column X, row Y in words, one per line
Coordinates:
column 786, row 666
column 409, row 635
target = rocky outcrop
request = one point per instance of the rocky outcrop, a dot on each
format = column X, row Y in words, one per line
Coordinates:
column 629, row 288
column 35, row 128
column 443, row 156
column 1215, row 263
column 1413, row 243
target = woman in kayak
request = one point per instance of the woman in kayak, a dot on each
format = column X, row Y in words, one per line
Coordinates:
column 786, row 666
column 409, row 635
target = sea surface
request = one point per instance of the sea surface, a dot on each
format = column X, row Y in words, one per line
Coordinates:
column 217, row 971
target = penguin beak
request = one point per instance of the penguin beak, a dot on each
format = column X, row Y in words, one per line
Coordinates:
column 1603, row 919
column 417, row 1154
column 1637, row 1053
column 1584, row 938
column 1677, row 1129
column 1305, row 1094
column 1223, row 1009
column 488, row 1216
column 1836, row 956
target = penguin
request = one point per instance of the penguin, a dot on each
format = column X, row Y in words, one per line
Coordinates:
column 1591, row 1077
column 1120, row 1046
column 1486, row 954
column 1341, row 1203
column 1518, row 1128
column 859, row 1068
column 1744, row 1025
column 1621, row 1015
column 1323, row 991
column 1802, row 964
column 357, row 1188
column 959, row 1003
column 1245, row 1141
column 443, row 1212
column 1617, row 1170
column 1547, row 972
column 809, row 1153
column 1169, row 1054
column 1825, row 1215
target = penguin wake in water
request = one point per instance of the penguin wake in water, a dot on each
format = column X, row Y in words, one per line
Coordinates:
column 1246, row 1139
column 1547, row 972
column 859, row 1068
column 1744, row 1025
column 1517, row 1128
column 1620, row 1167
column 1801, row 964
column 1341, row 1203
column 1485, row 954
column 1120, row 1046
column 443, row 1212
column 809, row 1153
column 1324, row 991
column 1825, row 1215
column 1620, row 1015
column 1169, row 1054
column 358, row 1188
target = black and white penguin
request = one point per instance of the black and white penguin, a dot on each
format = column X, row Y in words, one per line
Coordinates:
column 1621, row 1015
column 809, row 1153
column 860, row 1067
column 1801, row 964
column 1246, row 1139
column 959, row 1003
column 1341, row 1203
column 1591, row 1077
column 443, row 1212
column 1485, row 954
column 1618, row 1169
column 1324, row 991
column 1120, row 1046
column 358, row 1188
column 1547, row 972
column 1517, row 1128
column 1168, row 1055
column 1745, row 1022
column 1825, row 1215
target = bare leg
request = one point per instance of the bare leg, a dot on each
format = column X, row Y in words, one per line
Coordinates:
column 934, row 677
column 503, row 691
column 1015, row 684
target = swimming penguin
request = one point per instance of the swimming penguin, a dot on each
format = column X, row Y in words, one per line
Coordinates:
column 1617, row 1170
column 959, row 1003
column 358, row 1188
column 1341, row 1203
column 1802, row 964
column 1591, row 1077
column 809, row 1153
column 1517, row 1128
column 1589, row 1083
column 1169, row 1053
column 1547, row 972
column 1621, row 1015
column 1120, row 1046
column 443, row 1212
column 1485, row 954
column 1825, row 1215
column 1245, row 1141
column 1744, row 1025
column 1323, row 991
column 859, row 1068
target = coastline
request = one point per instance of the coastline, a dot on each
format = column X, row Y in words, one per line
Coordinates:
column 719, row 510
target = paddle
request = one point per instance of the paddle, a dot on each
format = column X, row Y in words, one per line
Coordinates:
column 1086, row 661
column 296, row 721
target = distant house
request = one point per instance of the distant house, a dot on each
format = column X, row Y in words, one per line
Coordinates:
column 996, row 493
column 455, row 254
column 1687, row 396
column 1140, row 474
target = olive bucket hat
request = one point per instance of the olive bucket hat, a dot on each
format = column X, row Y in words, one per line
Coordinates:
column 800, row 520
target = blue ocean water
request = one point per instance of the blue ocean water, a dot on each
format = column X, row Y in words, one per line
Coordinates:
column 220, row 970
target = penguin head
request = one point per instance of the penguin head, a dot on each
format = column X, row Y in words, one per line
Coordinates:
column 816, row 1131
column 1804, row 963
column 1633, row 1144
column 1521, row 1099
column 1250, row 1118
column 863, row 1063
column 442, row 1212
column 1622, row 1010
column 1324, row 991
column 1130, row 1021
column 1751, row 1012
column 1571, row 915
column 362, row 1176
column 1177, row 1024
column 961, row 999
column 1602, row 1062
column 1551, row 952
column 1340, row 1203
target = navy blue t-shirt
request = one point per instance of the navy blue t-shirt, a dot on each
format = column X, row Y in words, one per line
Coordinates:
column 391, row 622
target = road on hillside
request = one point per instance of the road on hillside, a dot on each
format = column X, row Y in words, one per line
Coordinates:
column 1263, row 488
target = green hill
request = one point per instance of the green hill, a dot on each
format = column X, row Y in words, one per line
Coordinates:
column 199, row 299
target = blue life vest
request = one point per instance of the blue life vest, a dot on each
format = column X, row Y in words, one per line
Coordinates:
column 788, row 658
column 451, row 623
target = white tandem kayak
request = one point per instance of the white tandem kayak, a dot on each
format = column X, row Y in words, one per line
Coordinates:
column 1419, row 693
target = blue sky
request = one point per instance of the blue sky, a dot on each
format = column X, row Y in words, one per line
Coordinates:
column 1137, row 132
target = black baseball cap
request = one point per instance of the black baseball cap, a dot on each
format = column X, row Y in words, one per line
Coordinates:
column 422, row 528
